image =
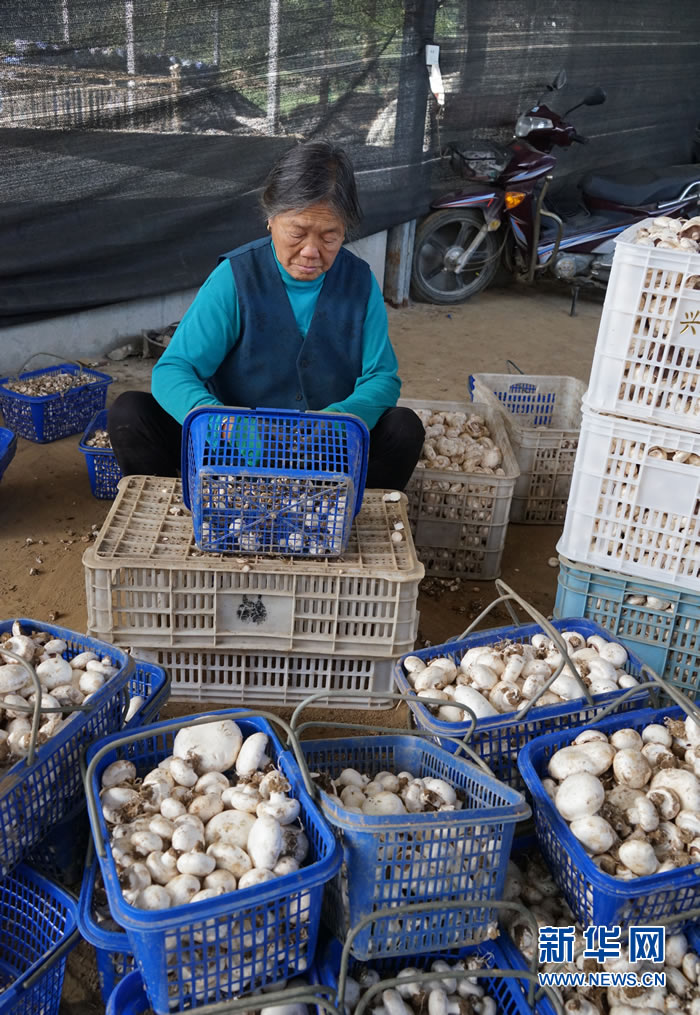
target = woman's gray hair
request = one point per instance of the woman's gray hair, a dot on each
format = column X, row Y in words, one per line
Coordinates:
column 310, row 173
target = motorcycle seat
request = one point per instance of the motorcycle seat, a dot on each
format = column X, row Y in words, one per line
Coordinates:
column 641, row 186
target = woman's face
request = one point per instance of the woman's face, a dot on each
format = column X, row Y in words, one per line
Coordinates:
column 307, row 242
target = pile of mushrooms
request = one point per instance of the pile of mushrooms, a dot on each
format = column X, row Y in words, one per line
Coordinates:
column 187, row 831
column 65, row 684
column 444, row 995
column 502, row 677
column 651, row 602
column 55, row 382
column 99, row 439
column 458, row 442
column 387, row 793
column 632, row 800
column 671, row 234
column 530, row 883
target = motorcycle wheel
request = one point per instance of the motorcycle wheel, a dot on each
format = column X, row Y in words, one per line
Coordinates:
column 440, row 239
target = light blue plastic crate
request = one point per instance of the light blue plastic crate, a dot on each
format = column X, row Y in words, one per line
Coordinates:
column 34, row 797
column 273, row 480
column 8, row 446
column 49, row 417
column 103, row 471
column 498, row 740
column 165, row 943
column 595, row 897
column 667, row 640
column 385, row 857
column 36, row 918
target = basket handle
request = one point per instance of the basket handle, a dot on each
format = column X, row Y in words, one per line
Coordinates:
column 392, row 912
column 506, row 595
column 461, row 742
column 51, row 959
column 513, row 368
column 53, row 355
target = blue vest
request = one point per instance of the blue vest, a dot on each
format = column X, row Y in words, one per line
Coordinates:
column 272, row 365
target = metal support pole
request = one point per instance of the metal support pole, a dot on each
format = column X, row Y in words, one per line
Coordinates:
column 399, row 260
column 273, row 80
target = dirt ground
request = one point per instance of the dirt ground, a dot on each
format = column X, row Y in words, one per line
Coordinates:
column 47, row 512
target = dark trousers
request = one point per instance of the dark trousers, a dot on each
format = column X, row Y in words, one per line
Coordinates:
column 146, row 441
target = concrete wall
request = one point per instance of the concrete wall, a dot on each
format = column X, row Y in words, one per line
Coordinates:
column 90, row 334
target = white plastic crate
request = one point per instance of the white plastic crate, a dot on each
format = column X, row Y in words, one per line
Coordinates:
column 148, row 586
column 459, row 519
column 647, row 357
column 267, row 679
column 543, row 418
column 630, row 511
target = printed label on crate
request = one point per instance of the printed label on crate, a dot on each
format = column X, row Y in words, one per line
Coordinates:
column 254, row 612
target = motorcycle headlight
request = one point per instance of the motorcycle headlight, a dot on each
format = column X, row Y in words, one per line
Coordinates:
column 527, row 123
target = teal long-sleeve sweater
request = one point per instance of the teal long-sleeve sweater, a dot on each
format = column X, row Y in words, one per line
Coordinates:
column 210, row 329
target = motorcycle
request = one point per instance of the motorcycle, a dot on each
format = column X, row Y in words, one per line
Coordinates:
column 503, row 216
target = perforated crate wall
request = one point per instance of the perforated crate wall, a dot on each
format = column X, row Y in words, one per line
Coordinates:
column 658, row 622
column 647, row 357
column 50, row 417
column 268, row 678
column 542, row 417
column 148, row 586
column 630, row 511
column 8, row 446
column 459, row 519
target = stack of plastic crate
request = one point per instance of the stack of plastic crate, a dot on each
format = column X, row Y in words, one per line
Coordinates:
column 248, row 629
column 630, row 551
column 459, row 519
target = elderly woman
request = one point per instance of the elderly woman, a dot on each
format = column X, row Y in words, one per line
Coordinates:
column 291, row 321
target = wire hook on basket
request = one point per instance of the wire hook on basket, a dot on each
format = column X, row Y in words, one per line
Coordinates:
column 506, row 596
column 52, row 355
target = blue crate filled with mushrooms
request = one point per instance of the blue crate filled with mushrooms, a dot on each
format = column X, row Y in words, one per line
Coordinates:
column 653, row 872
column 45, row 405
column 497, row 738
column 248, row 884
column 273, row 481
column 41, row 780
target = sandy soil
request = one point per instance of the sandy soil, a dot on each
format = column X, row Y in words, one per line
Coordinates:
column 47, row 512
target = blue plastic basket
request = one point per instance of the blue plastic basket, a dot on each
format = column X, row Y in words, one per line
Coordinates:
column 498, row 740
column 112, row 950
column 667, row 640
column 8, row 446
column 50, row 417
column 103, row 470
column 379, row 865
column 595, row 897
column 165, row 943
column 35, row 797
column 509, row 994
column 36, row 919
column 61, row 853
column 273, row 481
